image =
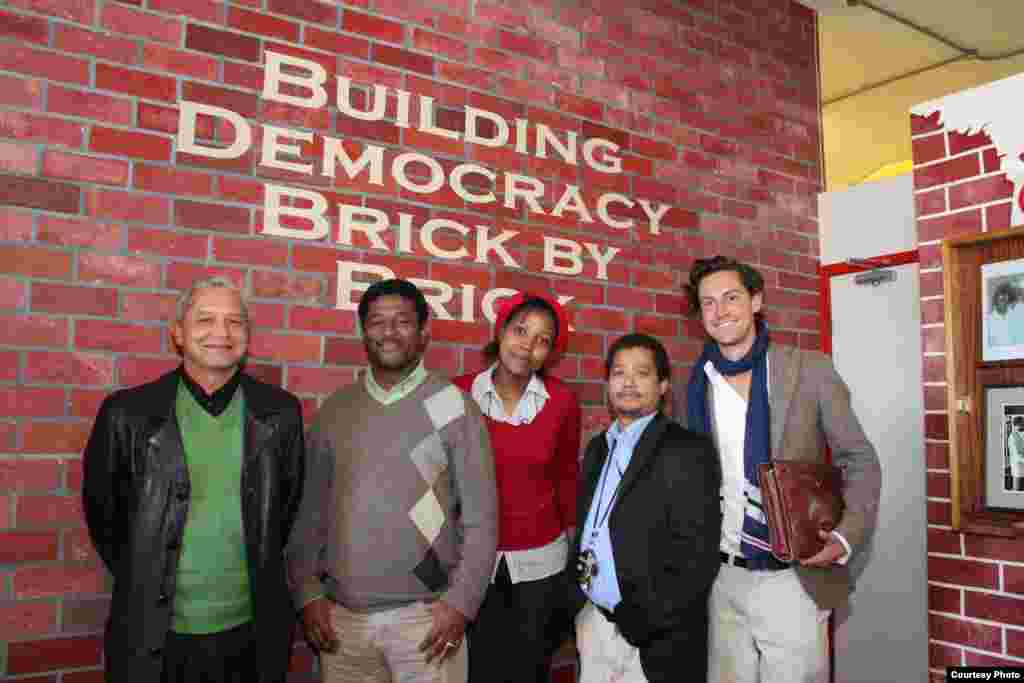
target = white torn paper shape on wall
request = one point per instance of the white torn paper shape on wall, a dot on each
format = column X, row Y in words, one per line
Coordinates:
column 995, row 109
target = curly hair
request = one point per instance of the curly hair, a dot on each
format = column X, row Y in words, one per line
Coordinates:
column 752, row 280
column 1013, row 295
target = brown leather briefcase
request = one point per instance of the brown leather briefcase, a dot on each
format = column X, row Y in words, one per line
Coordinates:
column 799, row 499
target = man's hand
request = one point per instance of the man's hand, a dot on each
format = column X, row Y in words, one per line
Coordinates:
column 316, row 622
column 445, row 636
column 827, row 556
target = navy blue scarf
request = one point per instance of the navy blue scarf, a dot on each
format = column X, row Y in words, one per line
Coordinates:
column 754, row 539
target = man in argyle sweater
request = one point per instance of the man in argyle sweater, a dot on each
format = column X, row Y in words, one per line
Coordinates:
column 397, row 531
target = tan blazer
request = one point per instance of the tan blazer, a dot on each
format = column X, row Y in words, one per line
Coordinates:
column 810, row 407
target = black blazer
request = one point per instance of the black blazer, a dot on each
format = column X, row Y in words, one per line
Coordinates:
column 665, row 530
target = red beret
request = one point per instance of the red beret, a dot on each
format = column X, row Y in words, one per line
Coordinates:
column 506, row 307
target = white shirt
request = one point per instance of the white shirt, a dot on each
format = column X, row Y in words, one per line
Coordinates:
column 730, row 422
column 730, row 419
column 531, row 564
column 530, row 403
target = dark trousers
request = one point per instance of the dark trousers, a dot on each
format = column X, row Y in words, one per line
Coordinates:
column 224, row 657
column 511, row 639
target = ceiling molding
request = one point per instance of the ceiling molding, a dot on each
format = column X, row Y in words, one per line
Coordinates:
column 822, row 6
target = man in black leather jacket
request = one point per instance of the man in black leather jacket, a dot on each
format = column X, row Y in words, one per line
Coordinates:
column 191, row 486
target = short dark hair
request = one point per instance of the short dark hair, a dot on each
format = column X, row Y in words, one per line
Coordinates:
column 638, row 340
column 752, row 280
column 1013, row 295
column 531, row 303
column 393, row 287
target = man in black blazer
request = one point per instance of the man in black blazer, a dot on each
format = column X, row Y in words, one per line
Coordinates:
column 646, row 553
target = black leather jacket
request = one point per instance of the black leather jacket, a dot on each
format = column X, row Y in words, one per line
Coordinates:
column 136, row 494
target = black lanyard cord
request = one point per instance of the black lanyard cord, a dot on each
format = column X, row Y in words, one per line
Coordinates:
column 599, row 520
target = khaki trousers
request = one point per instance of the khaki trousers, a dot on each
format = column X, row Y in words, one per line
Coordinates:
column 765, row 628
column 605, row 656
column 383, row 647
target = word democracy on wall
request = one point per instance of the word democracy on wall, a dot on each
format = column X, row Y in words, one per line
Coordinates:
column 285, row 206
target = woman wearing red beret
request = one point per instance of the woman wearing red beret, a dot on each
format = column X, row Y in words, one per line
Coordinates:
column 534, row 425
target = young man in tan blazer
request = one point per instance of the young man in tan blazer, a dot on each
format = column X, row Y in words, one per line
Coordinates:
column 762, row 402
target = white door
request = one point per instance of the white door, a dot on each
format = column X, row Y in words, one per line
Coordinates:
column 876, row 343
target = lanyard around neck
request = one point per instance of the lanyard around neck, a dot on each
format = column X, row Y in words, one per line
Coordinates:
column 599, row 519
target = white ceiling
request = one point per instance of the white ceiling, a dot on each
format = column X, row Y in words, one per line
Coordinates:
column 861, row 46
column 875, row 66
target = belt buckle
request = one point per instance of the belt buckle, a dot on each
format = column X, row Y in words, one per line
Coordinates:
column 732, row 560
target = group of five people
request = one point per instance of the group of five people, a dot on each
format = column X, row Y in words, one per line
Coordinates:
column 418, row 512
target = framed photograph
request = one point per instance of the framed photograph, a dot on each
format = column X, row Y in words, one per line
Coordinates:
column 1004, row 447
column 1002, row 310
column 982, row 281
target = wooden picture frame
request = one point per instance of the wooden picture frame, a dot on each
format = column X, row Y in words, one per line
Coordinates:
column 969, row 379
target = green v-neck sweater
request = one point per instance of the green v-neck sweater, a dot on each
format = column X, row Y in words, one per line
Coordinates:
column 212, row 591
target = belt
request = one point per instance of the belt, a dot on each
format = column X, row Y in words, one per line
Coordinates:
column 606, row 613
column 754, row 564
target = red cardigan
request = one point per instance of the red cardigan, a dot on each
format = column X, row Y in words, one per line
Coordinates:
column 537, row 465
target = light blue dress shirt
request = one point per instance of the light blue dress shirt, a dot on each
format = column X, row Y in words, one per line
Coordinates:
column 604, row 587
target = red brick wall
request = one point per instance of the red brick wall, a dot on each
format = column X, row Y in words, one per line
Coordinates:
column 713, row 102
column 974, row 606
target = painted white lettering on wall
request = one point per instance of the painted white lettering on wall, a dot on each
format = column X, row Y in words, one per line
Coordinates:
column 308, row 214
column 413, row 171
column 302, row 213
column 439, row 295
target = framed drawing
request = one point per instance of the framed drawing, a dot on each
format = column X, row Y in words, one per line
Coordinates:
column 1002, row 306
column 1004, row 447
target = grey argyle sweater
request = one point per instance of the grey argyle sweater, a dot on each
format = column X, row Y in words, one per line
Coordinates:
column 400, row 502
